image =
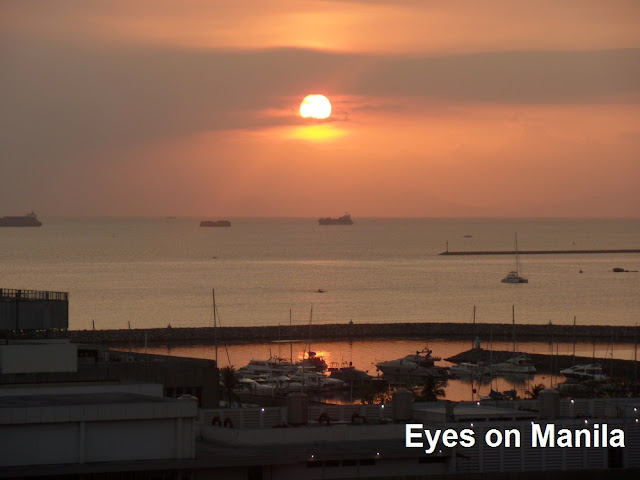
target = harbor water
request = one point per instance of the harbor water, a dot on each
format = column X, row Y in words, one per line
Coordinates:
column 364, row 354
column 155, row 272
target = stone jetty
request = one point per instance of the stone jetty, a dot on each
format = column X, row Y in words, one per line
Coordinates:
column 354, row 331
column 537, row 252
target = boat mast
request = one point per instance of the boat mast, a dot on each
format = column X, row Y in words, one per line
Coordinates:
column 513, row 319
column 310, row 320
column 473, row 344
column 551, row 332
column 574, row 340
column 491, row 358
column 215, row 324
column 635, row 353
column 612, row 332
column 517, row 256
column 290, row 337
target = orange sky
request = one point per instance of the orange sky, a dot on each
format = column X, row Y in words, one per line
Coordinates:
column 456, row 108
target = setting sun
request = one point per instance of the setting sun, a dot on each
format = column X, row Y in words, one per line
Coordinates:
column 315, row 106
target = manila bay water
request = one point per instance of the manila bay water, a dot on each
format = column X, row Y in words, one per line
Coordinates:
column 156, row 272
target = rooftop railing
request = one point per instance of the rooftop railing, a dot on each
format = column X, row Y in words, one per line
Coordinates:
column 16, row 294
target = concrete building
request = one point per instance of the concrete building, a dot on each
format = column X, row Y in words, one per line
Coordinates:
column 35, row 353
column 47, row 433
column 79, row 412
column 365, row 442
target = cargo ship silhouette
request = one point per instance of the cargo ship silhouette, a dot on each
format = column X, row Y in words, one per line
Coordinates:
column 28, row 220
column 344, row 220
column 217, row 223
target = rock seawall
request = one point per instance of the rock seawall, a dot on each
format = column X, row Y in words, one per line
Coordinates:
column 350, row 331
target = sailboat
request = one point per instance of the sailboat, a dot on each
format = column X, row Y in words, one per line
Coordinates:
column 519, row 364
column 514, row 276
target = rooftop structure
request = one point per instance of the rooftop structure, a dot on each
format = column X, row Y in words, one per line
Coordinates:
column 33, row 310
column 71, row 433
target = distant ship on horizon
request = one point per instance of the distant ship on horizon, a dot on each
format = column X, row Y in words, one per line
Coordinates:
column 217, row 223
column 343, row 220
column 28, row 220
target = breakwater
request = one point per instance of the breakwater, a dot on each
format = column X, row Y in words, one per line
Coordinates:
column 551, row 363
column 354, row 331
column 537, row 252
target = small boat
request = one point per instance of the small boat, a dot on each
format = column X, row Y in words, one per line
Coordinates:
column 514, row 276
column 584, row 372
column 349, row 374
column 267, row 386
column 216, row 223
column 312, row 362
column 520, row 365
column 273, row 367
column 469, row 369
column 316, row 381
column 320, row 290
column 343, row 220
column 420, row 364
column 495, row 395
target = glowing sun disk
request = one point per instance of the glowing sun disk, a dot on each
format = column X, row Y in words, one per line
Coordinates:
column 315, row 106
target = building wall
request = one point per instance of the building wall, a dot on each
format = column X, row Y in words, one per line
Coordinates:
column 44, row 444
column 19, row 314
column 38, row 358
column 96, row 441
column 137, row 440
column 179, row 376
column 150, row 389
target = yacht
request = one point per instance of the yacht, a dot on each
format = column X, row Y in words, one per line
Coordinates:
column 268, row 386
column 272, row 367
column 469, row 369
column 420, row 364
column 584, row 372
column 315, row 381
column 349, row 374
column 313, row 362
column 520, row 364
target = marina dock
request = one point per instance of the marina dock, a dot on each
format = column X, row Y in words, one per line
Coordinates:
column 546, row 363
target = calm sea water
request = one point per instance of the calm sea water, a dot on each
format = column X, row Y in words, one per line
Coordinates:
column 154, row 272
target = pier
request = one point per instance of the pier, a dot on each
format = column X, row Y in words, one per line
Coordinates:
column 354, row 331
column 538, row 252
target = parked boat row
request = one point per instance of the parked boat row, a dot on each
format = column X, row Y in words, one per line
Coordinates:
column 276, row 376
column 522, row 365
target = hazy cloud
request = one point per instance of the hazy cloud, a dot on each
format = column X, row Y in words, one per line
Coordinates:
column 71, row 98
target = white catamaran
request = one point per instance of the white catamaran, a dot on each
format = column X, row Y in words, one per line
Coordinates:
column 514, row 276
